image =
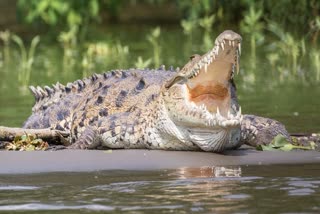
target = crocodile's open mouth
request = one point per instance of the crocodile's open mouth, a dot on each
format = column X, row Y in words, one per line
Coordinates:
column 209, row 82
column 200, row 99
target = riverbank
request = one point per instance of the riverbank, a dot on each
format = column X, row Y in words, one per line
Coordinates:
column 97, row 160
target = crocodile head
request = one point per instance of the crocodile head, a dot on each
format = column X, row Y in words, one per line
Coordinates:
column 200, row 99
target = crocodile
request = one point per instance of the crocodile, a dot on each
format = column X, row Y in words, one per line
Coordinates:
column 193, row 108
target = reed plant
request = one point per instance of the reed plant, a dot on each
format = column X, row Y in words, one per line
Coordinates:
column 5, row 36
column 96, row 56
column 206, row 23
column 140, row 63
column 252, row 26
column 121, row 54
column 289, row 48
column 27, row 58
column 153, row 38
column 315, row 62
column 69, row 43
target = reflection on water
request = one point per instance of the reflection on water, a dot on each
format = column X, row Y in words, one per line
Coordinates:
column 202, row 190
column 207, row 172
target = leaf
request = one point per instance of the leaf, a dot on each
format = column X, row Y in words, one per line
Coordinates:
column 23, row 137
column 287, row 147
column 265, row 148
column 94, row 8
column 16, row 138
column 279, row 141
column 31, row 137
column 156, row 32
column 29, row 148
column 36, row 141
column 313, row 145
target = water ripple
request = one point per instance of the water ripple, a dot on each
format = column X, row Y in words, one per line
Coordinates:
column 14, row 187
column 33, row 206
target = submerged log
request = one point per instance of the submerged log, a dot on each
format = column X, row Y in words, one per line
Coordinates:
column 9, row 133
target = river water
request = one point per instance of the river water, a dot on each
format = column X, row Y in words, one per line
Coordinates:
column 246, row 189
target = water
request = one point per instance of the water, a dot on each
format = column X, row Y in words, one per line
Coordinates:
column 258, row 189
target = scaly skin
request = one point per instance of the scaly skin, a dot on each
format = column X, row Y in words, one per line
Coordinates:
column 195, row 108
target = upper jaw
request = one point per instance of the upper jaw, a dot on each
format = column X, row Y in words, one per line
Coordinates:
column 227, row 48
column 212, row 72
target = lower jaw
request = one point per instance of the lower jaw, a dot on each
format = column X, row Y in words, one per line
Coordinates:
column 212, row 103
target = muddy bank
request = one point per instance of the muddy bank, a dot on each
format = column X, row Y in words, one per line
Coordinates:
column 93, row 160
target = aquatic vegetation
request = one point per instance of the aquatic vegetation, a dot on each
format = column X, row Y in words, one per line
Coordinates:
column 61, row 14
column 206, row 23
column 280, row 143
column 121, row 53
column 315, row 29
column 1, row 60
column 153, row 38
column 27, row 57
column 100, row 55
column 188, row 26
column 315, row 62
column 27, row 142
column 288, row 47
column 252, row 27
column 68, row 41
column 68, row 21
column 140, row 63
column 96, row 56
column 5, row 36
column 197, row 8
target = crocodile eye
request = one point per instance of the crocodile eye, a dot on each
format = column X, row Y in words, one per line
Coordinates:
column 192, row 57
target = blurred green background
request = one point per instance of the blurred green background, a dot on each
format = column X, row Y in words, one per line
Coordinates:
column 45, row 41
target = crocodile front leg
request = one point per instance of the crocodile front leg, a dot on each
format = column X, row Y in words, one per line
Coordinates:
column 257, row 130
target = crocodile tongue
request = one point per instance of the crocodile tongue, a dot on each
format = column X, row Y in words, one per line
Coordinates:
column 211, row 87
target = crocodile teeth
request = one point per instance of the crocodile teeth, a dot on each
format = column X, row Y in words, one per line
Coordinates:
column 238, row 66
column 203, row 108
column 229, row 115
column 239, row 48
column 218, row 111
column 229, row 42
column 193, row 105
column 222, row 46
column 219, row 116
column 205, row 68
